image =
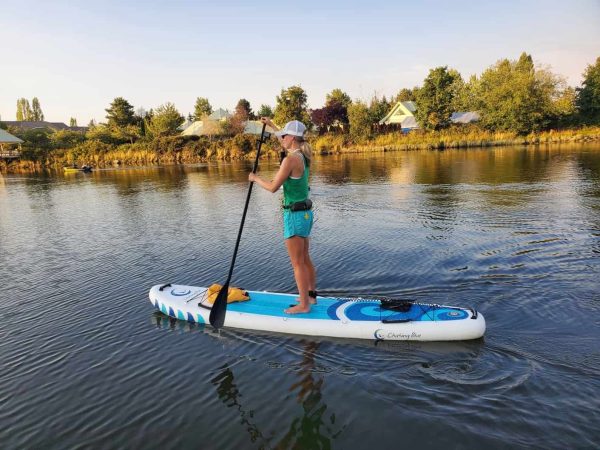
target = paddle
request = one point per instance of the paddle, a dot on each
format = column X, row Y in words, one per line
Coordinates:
column 219, row 308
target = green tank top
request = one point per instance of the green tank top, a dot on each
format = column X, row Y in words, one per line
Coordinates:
column 296, row 190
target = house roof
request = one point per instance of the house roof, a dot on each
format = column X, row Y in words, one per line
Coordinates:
column 220, row 114
column 32, row 125
column 7, row 138
column 255, row 127
column 399, row 112
column 409, row 123
column 29, row 125
column 194, row 129
column 184, row 125
column 465, row 117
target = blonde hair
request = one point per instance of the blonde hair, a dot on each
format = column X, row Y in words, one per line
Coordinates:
column 305, row 148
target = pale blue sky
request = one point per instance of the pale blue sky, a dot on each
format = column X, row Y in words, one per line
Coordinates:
column 76, row 56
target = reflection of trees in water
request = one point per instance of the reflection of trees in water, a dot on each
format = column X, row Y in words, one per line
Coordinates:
column 353, row 168
column 489, row 166
column 311, row 430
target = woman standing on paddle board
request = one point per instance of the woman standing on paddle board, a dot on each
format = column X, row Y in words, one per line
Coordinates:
column 297, row 215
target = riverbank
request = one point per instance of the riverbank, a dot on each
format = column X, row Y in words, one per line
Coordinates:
column 193, row 150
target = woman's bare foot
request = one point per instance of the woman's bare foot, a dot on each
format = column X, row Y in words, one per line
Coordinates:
column 311, row 300
column 298, row 309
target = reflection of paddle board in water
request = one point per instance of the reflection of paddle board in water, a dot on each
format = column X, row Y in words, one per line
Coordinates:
column 331, row 317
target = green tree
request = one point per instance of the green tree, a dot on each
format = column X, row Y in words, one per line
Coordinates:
column 360, row 119
column 164, row 121
column 120, row 113
column 292, row 105
column 72, row 122
column 405, row 95
column 265, row 111
column 436, row 98
column 243, row 113
column 63, row 139
column 378, row 108
column 36, row 110
column 243, row 110
column 513, row 95
column 588, row 95
column 24, row 111
column 464, row 94
column 338, row 96
column 202, row 108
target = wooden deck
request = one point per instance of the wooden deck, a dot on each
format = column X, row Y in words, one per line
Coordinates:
column 10, row 154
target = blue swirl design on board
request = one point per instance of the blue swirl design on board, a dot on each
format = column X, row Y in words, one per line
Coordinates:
column 177, row 293
column 369, row 311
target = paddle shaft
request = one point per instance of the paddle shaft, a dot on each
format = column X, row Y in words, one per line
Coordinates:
column 217, row 313
column 239, row 236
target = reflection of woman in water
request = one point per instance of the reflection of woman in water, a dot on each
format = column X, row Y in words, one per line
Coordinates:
column 307, row 431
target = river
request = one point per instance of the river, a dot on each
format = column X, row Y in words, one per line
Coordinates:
column 514, row 232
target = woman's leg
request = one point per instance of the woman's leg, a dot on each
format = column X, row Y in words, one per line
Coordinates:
column 310, row 269
column 295, row 247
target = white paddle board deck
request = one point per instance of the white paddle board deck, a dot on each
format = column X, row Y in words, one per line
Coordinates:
column 331, row 317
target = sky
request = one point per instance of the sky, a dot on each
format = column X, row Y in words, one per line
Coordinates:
column 77, row 56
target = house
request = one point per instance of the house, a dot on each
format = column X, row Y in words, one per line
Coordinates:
column 402, row 115
column 31, row 125
column 7, row 138
column 255, row 127
column 184, row 125
column 220, row 115
column 465, row 117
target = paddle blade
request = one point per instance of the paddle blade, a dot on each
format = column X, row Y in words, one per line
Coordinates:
column 219, row 308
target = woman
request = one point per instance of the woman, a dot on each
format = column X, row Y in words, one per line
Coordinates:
column 297, row 216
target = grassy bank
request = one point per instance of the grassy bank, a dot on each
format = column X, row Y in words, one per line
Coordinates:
column 463, row 137
column 193, row 149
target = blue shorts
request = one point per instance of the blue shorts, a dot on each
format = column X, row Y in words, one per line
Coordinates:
column 297, row 223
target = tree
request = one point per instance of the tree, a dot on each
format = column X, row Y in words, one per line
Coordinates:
column 165, row 121
column 292, row 105
column 406, row 95
column 63, row 139
column 338, row 96
column 464, row 94
column 435, row 99
column 202, row 108
column 378, row 108
column 243, row 113
column 359, row 117
column 120, row 113
column 37, row 114
column 72, row 122
column 514, row 95
column 588, row 95
column 24, row 111
column 244, row 110
column 265, row 111
column 332, row 115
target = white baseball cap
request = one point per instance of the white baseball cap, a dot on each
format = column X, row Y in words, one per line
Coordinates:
column 295, row 128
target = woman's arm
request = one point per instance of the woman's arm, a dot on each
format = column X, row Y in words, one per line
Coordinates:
column 282, row 174
column 269, row 123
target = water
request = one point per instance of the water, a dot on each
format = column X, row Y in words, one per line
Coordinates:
column 514, row 232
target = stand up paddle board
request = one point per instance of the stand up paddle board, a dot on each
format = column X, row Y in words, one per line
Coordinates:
column 359, row 318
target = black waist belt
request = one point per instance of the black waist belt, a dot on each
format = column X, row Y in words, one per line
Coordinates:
column 304, row 205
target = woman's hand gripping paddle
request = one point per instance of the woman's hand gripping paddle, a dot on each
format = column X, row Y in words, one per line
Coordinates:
column 219, row 308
